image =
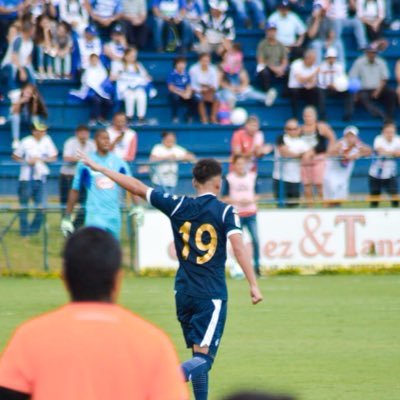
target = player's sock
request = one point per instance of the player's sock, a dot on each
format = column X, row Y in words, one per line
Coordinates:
column 200, row 386
column 196, row 366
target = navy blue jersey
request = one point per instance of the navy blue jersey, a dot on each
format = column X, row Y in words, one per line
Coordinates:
column 201, row 227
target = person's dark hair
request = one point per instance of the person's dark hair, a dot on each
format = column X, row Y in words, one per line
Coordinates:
column 118, row 113
column 91, row 259
column 179, row 59
column 202, row 55
column 164, row 134
column 258, row 396
column 81, row 128
column 252, row 118
column 39, row 31
column 389, row 123
column 237, row 157
column 206, row 169
column 36, row 105
column 99, row 132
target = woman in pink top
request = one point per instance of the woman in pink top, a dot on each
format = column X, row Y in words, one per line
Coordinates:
column 240, row 191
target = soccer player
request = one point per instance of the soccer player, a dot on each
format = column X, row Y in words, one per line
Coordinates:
column 103, row 195
column 201, row 228
column 91, row 348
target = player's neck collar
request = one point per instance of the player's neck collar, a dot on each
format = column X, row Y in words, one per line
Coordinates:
column 207, row 194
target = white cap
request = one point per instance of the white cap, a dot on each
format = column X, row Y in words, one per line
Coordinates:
column 331, row 52
column 220, row 5
column 351, row 129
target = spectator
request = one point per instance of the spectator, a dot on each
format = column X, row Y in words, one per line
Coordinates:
column 80, row 142
column 322, row 36
column 88, row 44
column 115, row 49
column 123, row 140
column 132, row 82
column 235, row 84
column 194, row 13
column 373, row 73
column 41, row 7
column 180, row 90
column 319, row 137
column 45, row 49
column 204, row 81
column 343, row 15
column 272, row 59
column 289, row 151
column 249, row 142
column 134, row 16
column 383, row 170
column 63, row 51
column 165, row 155
column 12, row 34
column 303, row 78
column 170, row 14
column 104, row 14
column 74, row 13
column 93, row 79
column 372, row 15
column 91, row 327
column 246, row 8
column 240, row 190
column 18, row 69
column 340, row 166
column 34, row 153
column 330, row 72
column 290, row 29
column 397, row 72
column 216, row 30
column 27, row 106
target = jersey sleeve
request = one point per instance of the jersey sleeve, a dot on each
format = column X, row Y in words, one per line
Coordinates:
column 16, row 372
column 77, row 182
column 231, row 221
column 164, row 202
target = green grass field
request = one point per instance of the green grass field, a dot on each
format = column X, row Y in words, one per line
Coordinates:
column 318, row 337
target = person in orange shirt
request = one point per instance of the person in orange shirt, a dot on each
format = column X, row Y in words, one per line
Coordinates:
column 91, row 348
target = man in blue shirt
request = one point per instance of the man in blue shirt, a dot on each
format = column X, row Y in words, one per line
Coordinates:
column 103, row 195
column 201, row 228
column 180, row 91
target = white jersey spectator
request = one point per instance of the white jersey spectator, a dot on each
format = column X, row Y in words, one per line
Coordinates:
column 75, row 14
column 89, row 44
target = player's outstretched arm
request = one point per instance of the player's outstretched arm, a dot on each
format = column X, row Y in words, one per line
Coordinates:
column 243, row 259
column 130, row 184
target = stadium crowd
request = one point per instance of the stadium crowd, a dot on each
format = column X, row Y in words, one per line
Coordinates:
column 96, row 43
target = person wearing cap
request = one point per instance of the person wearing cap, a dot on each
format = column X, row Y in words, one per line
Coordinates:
column 170, row 14
column 383, row 170
column 340, row 165
column 343, row 15
column 321, row 33
column 104, row 14
column 115, row 48
column 290, row 28
column 373, row 73
column 244, row 9
column 88, row 44
column 34, row 152
column 134, row 16
column 303, row 78
column 272, row 59
column 331, row 74
column 216, row 31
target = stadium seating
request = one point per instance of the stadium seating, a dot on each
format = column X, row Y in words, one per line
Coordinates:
column 65, row 114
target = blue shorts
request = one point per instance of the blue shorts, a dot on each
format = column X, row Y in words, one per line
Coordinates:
column 202, row 320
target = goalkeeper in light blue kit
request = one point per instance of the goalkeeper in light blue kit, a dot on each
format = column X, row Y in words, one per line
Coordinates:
column 103, row 204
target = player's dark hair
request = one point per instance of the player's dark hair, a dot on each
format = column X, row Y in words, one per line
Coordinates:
column 179, row 59
column 164, row 134
column 206, row 169
column 91, row 259
column 82, row 127
column 258, row 396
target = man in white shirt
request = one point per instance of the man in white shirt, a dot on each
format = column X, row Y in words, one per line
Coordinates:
column 302, row 84
column 289, row 151
column 123, row 140
column 383, row 170
column 80, row 142
column 290, row 28
column 34, row 153
column 332, row 81
column 166, row 154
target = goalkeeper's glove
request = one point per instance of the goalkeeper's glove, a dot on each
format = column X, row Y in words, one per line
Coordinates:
column 67, row 227
column 138, row 213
